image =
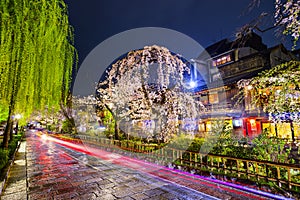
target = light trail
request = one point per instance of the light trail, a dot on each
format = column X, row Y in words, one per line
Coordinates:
column 165, row 172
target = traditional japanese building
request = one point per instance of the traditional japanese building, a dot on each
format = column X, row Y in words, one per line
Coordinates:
column 229, row 62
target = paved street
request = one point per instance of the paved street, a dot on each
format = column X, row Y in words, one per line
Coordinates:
column 59, row 170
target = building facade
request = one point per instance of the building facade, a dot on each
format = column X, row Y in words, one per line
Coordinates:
column 229, row 62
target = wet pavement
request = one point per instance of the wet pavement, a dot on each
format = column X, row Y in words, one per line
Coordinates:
column 16, row 184
column 58, row 170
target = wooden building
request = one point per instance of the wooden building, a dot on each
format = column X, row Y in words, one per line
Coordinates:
column 229, row 62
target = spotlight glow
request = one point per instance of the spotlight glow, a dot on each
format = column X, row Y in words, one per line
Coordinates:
column 193, row 84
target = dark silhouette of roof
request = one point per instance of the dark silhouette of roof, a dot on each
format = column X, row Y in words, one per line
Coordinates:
column 219, row 47
column 250, row 39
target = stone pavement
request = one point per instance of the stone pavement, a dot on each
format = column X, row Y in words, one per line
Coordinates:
column 16, row 183
column 56, row 171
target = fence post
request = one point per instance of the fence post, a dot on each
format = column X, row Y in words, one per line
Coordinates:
column 256, row 171
column 180, row 153
column 224, row 165
column 289, row 178
column 173, row 154
column 201, row 161
column 238, row 168
column 278, row 176
column 247, row 163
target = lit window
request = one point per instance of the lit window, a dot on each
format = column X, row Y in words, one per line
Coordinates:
column 213, row 98
column 237, row 122
column 222, row 60
column 228, row 58
column 208, row 126
column 201, row 127
column 253, row 124
column 204, row 99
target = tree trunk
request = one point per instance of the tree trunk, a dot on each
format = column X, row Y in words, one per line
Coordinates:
column 67, row 112
column 116, row 130
column 292, row 130
column 7, row 132
column 116, row 123
column 11, row 134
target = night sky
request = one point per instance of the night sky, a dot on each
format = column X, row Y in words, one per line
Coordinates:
column 206, row 22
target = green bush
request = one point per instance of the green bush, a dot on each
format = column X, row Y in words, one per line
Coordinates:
column 181, row 142
column 13, row 145
column 3, row 158
column 68, row 126
column 6, row 154
column 195, row 146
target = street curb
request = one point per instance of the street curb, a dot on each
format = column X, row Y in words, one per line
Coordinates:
column 3, row 182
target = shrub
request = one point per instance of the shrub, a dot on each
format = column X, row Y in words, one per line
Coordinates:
column 195, row 146
column 68, row 126
column 3, row 158
column 6, row 154
column 12, row 146
column 181, row 142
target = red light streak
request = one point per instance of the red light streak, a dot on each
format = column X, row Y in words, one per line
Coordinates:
column 171, row 175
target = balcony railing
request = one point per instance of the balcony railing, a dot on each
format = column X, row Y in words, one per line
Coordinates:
column 221, row 109
column 243, row 66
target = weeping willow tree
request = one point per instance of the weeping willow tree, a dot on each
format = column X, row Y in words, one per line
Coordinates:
column 36, row 57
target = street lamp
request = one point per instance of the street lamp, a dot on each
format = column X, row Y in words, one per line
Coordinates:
column 17, row 117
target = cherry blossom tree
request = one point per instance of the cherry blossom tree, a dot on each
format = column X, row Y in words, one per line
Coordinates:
column 276, row 91
column 147, row 93
column 286, row 19
column 287, row 15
